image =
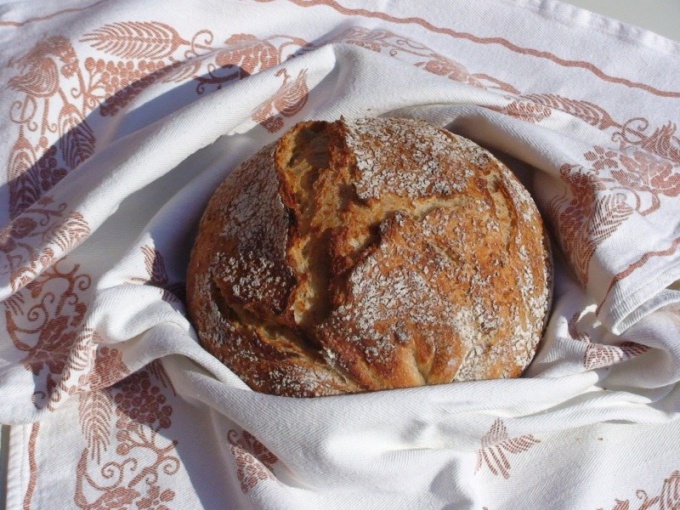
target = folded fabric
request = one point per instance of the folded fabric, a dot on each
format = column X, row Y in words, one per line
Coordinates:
column 122, row 117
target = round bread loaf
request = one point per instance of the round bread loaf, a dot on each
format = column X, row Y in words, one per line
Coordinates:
column 369, row 254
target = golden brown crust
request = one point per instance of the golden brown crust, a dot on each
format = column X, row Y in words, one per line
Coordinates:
column 369, row 254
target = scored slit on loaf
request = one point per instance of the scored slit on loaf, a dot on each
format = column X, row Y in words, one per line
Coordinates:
column 369, row 254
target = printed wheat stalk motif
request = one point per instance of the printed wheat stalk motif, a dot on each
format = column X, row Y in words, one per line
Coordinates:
column 136, row 39
column 496, row 445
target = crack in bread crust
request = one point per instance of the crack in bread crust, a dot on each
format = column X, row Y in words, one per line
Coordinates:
column 370, row 254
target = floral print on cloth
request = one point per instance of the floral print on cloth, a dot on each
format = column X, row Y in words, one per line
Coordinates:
column 101, row 367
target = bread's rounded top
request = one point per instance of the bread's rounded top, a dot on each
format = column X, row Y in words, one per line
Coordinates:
column 370, row 254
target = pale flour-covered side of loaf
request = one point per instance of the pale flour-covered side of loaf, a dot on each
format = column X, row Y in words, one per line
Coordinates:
column 370, row 254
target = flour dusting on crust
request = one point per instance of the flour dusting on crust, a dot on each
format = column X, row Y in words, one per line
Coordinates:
column 370, row 254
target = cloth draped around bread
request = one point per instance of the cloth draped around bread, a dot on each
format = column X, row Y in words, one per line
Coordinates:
column 120, row 119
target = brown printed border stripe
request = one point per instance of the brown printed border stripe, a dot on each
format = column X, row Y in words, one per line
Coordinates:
column 7, row 23
column 637, row 265
column 489, row 40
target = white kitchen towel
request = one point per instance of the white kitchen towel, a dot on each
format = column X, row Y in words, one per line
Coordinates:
column 121, row 117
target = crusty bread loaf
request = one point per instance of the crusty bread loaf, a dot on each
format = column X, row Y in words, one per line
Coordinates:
column 369, row 254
